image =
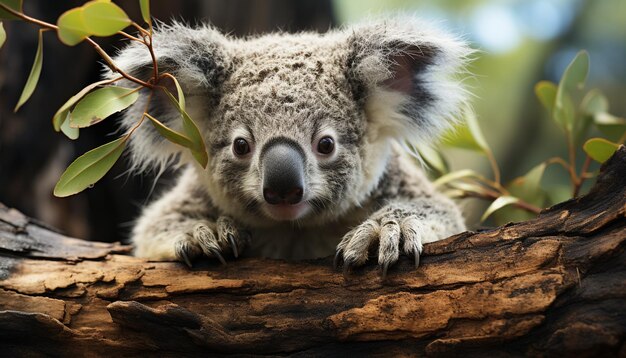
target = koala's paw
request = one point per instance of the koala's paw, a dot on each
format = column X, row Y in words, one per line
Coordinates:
column 395, row 231
column 211, row 239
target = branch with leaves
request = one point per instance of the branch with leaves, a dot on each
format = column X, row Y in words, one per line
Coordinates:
column 525, row 193
column 100, row 100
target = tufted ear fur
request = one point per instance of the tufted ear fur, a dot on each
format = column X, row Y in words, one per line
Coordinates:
column 404, row 72
column 198, row 59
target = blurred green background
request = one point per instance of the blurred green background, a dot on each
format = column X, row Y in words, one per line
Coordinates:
column 520, row 42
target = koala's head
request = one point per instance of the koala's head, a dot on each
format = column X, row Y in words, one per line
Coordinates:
column 302, row 124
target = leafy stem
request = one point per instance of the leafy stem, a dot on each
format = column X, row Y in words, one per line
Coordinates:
column 95, row 45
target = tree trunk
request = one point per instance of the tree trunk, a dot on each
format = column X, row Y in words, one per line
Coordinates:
column 555, row 285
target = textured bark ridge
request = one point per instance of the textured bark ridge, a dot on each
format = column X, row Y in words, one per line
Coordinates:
column 554, row 285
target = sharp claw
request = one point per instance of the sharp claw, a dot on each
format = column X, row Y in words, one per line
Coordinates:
column 186, row 258
column 337, row 259
column 417, row 259
column 384, row 273
column 233, row 245
column 219, row 256
column 346, row 268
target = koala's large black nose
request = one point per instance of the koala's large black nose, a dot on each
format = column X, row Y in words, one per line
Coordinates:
column 283, row 172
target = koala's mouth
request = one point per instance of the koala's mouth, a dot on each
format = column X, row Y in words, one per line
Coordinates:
column 287, row 212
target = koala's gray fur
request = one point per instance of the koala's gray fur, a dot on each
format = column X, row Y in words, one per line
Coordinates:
column 370, row 87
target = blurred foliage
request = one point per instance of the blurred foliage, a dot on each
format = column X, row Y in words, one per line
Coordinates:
column 525, row 193
column 521, row 42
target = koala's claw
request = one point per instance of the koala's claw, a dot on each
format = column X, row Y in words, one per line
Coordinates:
column 211, row 239
column 395, row 232
column 233, row 245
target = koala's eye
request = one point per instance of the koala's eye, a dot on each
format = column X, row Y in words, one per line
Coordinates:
column 326, row 145
column 241, row 146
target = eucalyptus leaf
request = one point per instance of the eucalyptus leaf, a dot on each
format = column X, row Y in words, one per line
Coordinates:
column 498, row 204
column 477, row 133
column 433, row 158
column 104, row 18
column 90, row 167
column 573, row 78
column 468, row 187
column 191, row 131
column 144, row 5
column 611, row 126
column 456, row 175
column 11, row 4
column 546, row 92
column 101, row 103
column 594, row 102
column 33, row 77
column 71, row 133
column 3, row 35
column 169, row 133
column 600, row 149
column 72, row 27
column 528, row 186
column 61, row 114
column 461, row 137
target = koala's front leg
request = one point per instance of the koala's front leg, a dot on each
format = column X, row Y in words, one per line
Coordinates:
column 401, row 226
column 182, row 225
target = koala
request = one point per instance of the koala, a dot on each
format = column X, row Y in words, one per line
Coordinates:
column 307, row 138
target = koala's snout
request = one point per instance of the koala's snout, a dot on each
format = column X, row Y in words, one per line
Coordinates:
column 282, row 163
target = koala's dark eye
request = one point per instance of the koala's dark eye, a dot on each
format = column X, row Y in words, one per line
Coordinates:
column 241, row 146
column 326, row 145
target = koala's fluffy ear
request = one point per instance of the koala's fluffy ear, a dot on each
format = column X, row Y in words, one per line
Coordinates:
column 405, row 72
column 198, row 59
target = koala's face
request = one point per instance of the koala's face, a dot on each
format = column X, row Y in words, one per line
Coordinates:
column 299, row 126
column 287, row 130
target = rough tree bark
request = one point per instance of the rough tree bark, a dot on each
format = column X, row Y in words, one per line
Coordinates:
column 555, row 285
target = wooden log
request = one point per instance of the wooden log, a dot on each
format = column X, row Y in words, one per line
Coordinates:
column 555, row 285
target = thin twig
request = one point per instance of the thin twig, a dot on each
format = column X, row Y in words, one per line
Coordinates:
column 97, row 47
column 131, row 37
column 489, row 196
column 583, row 176
column 494, row 168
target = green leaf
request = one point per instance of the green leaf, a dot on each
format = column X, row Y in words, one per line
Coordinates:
column 546, row 92
column 468, row 187
column 71, row 133
column 611, row 126
column 3, row 35
column 433, row 158
column 565, row 113
column 61, row 114
column 33, row 77
column 169, row 133
column 144, row 5
column 101, row 103
column 573, row 78
column 498, row 204
column 528, row 187
column 600, row 149
column 72, row 28
column 104, row 18
column 198, row 150
column 456, row 175
column 594, row 102
column 468, row 136
column 461, row 137
column 11, row 4
column 90, row 167
column 179, row 91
